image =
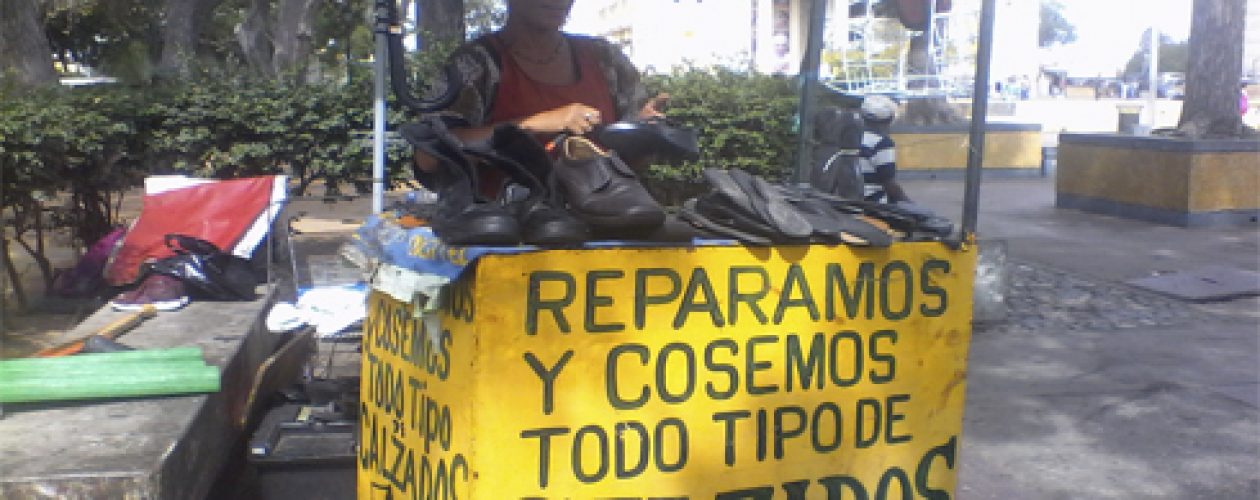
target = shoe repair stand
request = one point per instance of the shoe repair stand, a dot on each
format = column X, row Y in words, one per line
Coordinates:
column 725, row 372
column 672, row 372
column 161, row 447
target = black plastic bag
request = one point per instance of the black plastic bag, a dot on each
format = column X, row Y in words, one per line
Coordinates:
column 206, row 271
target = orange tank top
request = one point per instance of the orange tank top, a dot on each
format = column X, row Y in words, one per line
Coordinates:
column 518, row 96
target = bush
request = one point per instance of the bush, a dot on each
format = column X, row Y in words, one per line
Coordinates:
column 309, row 131
column 66, row 156
column 72, row 153
column 744, row 120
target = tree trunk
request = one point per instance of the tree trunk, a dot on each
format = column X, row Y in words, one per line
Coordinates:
column 442, row 20
column 181, row 30
column 1212, row 79
column 25, row 54
column 933, row 110
column 252, row 34
column 292, row 37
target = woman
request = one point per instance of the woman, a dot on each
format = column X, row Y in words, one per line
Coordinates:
column 545, row 82
column 541, row 79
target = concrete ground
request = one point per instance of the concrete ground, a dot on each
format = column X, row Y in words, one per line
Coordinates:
column 1165, row 406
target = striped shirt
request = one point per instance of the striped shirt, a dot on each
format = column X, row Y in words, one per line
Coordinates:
column 877, row 160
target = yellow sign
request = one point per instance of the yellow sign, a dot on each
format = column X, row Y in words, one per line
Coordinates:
column 714, row 372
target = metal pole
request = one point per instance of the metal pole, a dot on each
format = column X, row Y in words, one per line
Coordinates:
column 1152, row 74
column 379, row 61
column 929, row 33
column 4, row 278
column 979, row 120
column 809, row 80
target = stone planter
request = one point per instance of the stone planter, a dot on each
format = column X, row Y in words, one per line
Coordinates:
column 941, row 150
column 1165, row 180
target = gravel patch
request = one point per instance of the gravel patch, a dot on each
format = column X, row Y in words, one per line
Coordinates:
column 1042, row 299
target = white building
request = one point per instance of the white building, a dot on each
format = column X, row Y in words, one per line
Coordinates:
column 1251, row 41
column 770, row 35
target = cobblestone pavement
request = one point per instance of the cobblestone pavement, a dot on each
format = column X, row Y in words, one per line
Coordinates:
column 1042, row 299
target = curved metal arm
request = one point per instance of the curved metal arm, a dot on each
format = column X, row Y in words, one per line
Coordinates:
column 387, row 26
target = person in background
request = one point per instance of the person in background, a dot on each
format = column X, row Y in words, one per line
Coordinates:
column 533, row 75
column 1242, row 100
column 877, row 158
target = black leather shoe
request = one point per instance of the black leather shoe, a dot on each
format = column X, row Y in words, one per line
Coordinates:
column 541, row 213
column 633, row 139
column 603, row 191
column 462, row 217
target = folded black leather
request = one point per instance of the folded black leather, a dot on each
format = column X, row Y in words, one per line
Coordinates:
column 759, row 199
column 651, row 136
column 689, row 213
column 542, row 216
column 783, row 216
column 925, row 221
column 721, row 183
column 918, row 224
column 717, row 208
column 823, row 220
column 462, row 216
column 833, row 226
column 603, row 191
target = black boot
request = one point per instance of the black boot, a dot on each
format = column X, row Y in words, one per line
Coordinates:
column 541, row 213
column 462, row 217
column 603, row 191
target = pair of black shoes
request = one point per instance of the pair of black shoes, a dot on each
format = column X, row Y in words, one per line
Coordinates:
column 533, row 215
column 587, row 190
column 600, row 189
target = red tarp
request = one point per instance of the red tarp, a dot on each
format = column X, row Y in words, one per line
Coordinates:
column 217, row 211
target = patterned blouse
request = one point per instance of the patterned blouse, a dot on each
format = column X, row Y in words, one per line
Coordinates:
column 479, row 66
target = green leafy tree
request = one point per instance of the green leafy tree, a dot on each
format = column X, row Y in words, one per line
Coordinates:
column 442, row 21
column 66, row 158
column 183, row 22
column 1054, row 28
column 484, row 16
column 25, row 56
column 117, row 38
column 1174, row 56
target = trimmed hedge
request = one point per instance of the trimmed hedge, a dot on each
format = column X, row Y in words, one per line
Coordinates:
column 95, row 142
column 744, row 120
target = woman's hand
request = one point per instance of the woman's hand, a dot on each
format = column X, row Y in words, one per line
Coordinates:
column 654, row 106
column 573, row 118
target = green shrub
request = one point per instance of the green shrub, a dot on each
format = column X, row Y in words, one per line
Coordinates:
column 310, row 131
column 66, row 157
column 74, row 151
column 744, row 120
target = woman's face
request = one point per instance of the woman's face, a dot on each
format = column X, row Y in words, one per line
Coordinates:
column 540, row 14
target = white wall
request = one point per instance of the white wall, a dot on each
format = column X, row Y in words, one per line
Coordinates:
column 1015, row 39
column 1251, row 47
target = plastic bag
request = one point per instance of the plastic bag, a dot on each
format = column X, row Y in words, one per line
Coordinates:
column 85, row 278
column 206, row 271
